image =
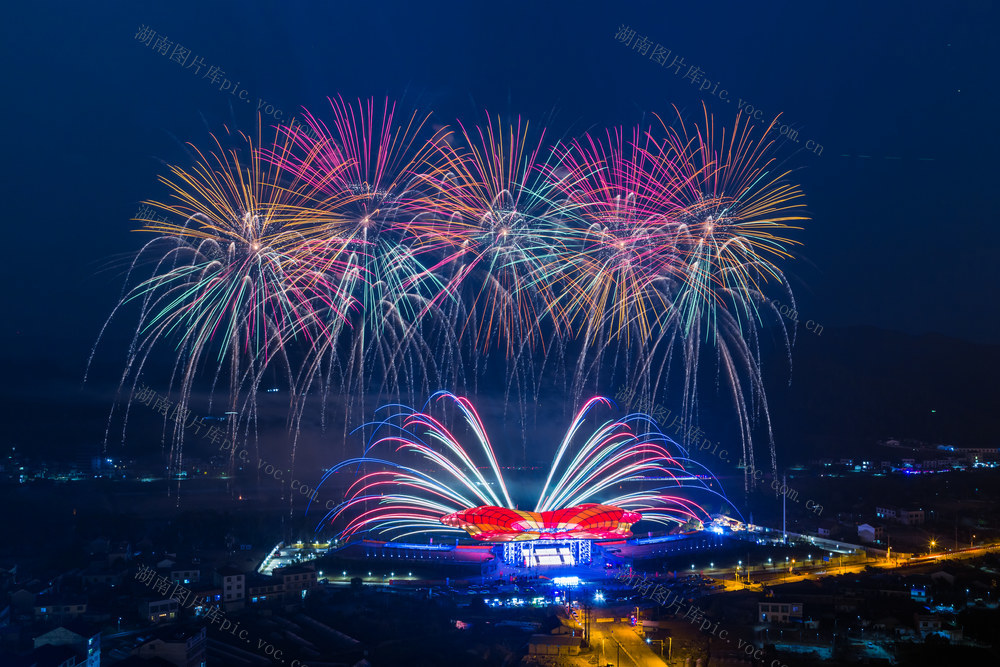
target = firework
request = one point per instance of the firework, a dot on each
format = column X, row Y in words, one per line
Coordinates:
column 369, row 254
column 494, row 219
column 423, row 480
column 371, row 166
column 627, row 250
column 240, row 270
column 737, row 211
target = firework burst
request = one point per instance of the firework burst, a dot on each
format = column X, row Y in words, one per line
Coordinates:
column 239, row 271
column 398, row 259
column 500, row 230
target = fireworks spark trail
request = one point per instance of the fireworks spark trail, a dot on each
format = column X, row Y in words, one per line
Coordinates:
column 371, row 165
column 368, row 255
column 501, row 230
column 628, row 244
column 422, row 472
column 738, row 210
column 234, row 277
column 494, row 216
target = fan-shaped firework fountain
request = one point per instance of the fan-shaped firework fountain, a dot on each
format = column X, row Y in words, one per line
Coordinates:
column 418, row 478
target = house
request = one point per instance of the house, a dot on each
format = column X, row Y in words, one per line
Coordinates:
column 927, row 624
column 911, row 517
column 158, row 611
column 263, row 589
column 554, row 645
column 869, row 533
column 297, row 580
column 51, row 608
column 180, row 646
column 233, row 585
column 83, row 639
column 827, row 528
column 207, row 591
column 23, row 599
column 779, row 612
column 184, row 574
column 885, row 512
column 100, row 575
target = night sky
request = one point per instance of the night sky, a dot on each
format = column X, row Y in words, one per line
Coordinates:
column 902, row 97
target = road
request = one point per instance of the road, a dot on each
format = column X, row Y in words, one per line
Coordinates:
column 618, row 643
column 780, row 575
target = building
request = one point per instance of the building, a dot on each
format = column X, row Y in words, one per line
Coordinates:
column 183, row 647
column 885, row 512
column 208, row 591
column 57, row 609
column 83, row 639
column 554, row 645
column 158, row 611
column 296, row 581
column 927, row 624
column 233, row 585
column 23, row 599
column 907, row 517
column 264, row 590
column 779, row 612
column 184, row 574
column 100, row 575
column 827, row 527
column 871, row 534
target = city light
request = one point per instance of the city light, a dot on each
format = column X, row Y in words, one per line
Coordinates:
column 566, row 581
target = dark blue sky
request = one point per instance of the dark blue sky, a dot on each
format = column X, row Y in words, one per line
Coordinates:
column 902, row 239
column 896, row 243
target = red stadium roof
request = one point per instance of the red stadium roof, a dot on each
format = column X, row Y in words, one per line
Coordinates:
column 583, row 522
